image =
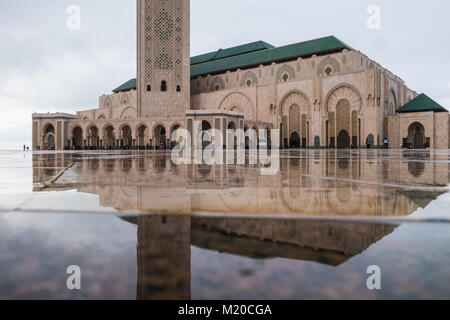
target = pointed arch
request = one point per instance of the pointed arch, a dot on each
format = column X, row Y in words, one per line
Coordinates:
column 343, row 91
column 128, row 113
column 240, row 100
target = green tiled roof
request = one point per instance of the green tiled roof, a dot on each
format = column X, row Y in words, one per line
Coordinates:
column 267, row 56
column 422, row 103
column 252, row 55
column 231, row 52
column 129, row 85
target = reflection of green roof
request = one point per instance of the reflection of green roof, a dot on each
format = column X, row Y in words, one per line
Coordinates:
column 252, row 55
column 421, row 198
column 422, row 103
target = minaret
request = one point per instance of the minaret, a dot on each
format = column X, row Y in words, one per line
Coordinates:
column 163, row 58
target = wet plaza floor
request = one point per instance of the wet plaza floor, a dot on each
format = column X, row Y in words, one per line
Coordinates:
column 141, row 227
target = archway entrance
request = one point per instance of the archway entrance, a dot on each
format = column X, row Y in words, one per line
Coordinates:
column 93, row 138
column 49, row 137
column 416, row 136
column 77, row 134
column 343, row 141
column 206, row 135
column 50, row 142
column 295, row 140
column 160, row 137
column 419, row 140
column 172, row 131
column 141, row 133
column 109, row 138
column 127, row 139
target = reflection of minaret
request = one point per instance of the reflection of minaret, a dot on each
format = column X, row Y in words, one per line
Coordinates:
column 164, row 258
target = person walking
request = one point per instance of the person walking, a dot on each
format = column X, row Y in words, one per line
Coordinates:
column 386, row 143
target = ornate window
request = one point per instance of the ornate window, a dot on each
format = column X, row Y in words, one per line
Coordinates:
column 163, row 86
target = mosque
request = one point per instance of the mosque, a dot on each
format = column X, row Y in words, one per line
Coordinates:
column 320, row 93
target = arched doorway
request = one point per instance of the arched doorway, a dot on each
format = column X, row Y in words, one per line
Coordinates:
column 343, row 141
column 247, row 138
column 50, row 143
column 141, row 134
column 93, row 138
column 206, row 135
column 295, row 140
column 416, row 136
column 343, row 123
column 160, row 137
column 49, row 137
column 77, row 140
column 174, row 128
column 109, row 137
column 127, row 139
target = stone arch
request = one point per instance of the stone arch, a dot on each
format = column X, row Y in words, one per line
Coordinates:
column 160, row 134
column 109, row 135
column 343, row 199
column 416, row 135
column 48, row 128
column 173, row 127
column 176, row 125
column 343, row 91
column 249, row 79
column 128, row 113
column 107, row 102
column 240, row 100
column 391, row 104
column 295, row 97
column 126, row 135
column 93, row 136
column 50, row 141
column 285, row 70
column 124, row 99
column 217, row 84
column 142, row 135
column 293, row 119
column 77, row 136
column 328, row 66
column 48, row 136
column 231, row 125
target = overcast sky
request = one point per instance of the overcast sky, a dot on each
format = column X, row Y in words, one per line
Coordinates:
column 46, row 67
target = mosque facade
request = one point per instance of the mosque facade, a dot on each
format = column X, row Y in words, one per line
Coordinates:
column 320, row 93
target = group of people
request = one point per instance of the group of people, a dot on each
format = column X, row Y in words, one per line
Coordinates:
column 26, row 148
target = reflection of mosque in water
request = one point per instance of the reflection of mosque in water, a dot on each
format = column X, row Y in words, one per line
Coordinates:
column 316, row 185
column 307, row 184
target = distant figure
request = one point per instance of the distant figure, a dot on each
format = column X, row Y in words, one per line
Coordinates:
column 28, row 148
column 46, row 148
column 24, row 147
column 386, row 143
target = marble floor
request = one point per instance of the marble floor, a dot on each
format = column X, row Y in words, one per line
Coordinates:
column 141, row 227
